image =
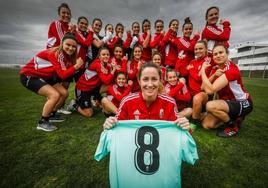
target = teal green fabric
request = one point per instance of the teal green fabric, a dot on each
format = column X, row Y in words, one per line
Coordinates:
column 146, row 153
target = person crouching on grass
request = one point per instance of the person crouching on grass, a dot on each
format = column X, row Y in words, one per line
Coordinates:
column 116, row 92
column 44, row 73
column 234, row 101
column 99, row 72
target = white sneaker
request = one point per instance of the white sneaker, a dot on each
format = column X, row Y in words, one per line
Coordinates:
column 64, row 111
column 70, row 106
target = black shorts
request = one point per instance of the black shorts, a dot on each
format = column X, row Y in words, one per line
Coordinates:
column 34, row 84
column 239, row 108
column 84, row 97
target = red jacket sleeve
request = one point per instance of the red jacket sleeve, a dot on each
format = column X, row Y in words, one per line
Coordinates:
column 82, row 40
column 119, row 96
column 127, row 43
column 185, row 96
column 173, row 91
column 105, row 78
column 167, row 36
column 211, row 33
column 156, row 41
column 63, row 74
column 113, row 42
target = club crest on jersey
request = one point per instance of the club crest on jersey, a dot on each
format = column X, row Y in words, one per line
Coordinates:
column 137, row 114
column 161, row 113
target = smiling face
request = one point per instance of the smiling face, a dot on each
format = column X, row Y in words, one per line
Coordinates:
column 119, row 29
column 212, row 16
column 156, row 59
column 65, row 15
column 174, row 25
column 146, row 26
column 110, row 28
column 159, row 26
column 104, row 55
column 220, row 55
column 96, row 26
column 82, row 25
column 172, row 78
column 136, row 28
column 121, row 80
column 200, row 50
column 187, row 30
column 149, row 82
column 137, row 52
column 118, row 52
column 69, row 46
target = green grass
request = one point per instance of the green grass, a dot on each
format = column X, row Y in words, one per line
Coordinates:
column 64, row 158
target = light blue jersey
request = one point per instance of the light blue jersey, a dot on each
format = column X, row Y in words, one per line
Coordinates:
column 146, row 153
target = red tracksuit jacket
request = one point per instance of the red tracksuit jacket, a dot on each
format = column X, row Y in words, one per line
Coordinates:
column 56, row 31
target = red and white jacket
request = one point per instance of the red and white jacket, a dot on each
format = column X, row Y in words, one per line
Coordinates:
column 118, row 93
column 171, row 50
column 214, row 34
column 133, row 73
column 119, row 40
column 185, row 47
column 96, row 74
column 56, row 31
column 157, row 44
column 146, row 52
column 84, row 41
column 134, row 107
column 49, row 64
column 180, row 93
column 234, row 90
column 195, row 78
column 120, row 62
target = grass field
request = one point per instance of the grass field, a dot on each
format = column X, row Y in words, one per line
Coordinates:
column 64, row 158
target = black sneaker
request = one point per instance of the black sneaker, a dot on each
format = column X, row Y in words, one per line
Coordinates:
column 46, row 126
column 228, row 132
column 55, row 118
column 196, row 122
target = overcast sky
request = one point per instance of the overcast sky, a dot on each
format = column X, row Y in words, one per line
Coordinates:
column 24, row 23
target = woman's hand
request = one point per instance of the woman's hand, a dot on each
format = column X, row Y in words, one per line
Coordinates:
column 79, row 63
column 109, row 122
column 183, row 123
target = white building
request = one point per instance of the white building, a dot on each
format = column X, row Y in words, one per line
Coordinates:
column 250, row 56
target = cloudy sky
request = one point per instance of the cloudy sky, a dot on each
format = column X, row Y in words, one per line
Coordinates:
column 24, row 23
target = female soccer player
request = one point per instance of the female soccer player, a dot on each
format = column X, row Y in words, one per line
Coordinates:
column 234, row 102
column 148, row 104
column 156, row 44
column 58, row 28
column 185, row 47
column 98, row 41
column 119, row 60
column 145, row 40
column 214, row 34
column 157, row 59
column 178, row 90
column 99, row 72
column 39, row 76
column 116, row 92
column 118, row 39
column 134, row 66
column 171, row 50
column 135, row 37
column 200, row 98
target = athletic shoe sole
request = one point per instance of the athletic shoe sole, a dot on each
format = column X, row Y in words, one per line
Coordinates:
column 56, row 120
column 47, row 130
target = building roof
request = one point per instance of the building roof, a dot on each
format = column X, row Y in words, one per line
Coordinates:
column 248, row 44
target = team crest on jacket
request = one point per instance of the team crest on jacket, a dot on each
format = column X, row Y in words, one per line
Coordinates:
column 136, row 114
column 161, row 113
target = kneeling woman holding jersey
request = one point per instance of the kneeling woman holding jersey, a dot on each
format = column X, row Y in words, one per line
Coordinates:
column 44, row 73
column 148, row 103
